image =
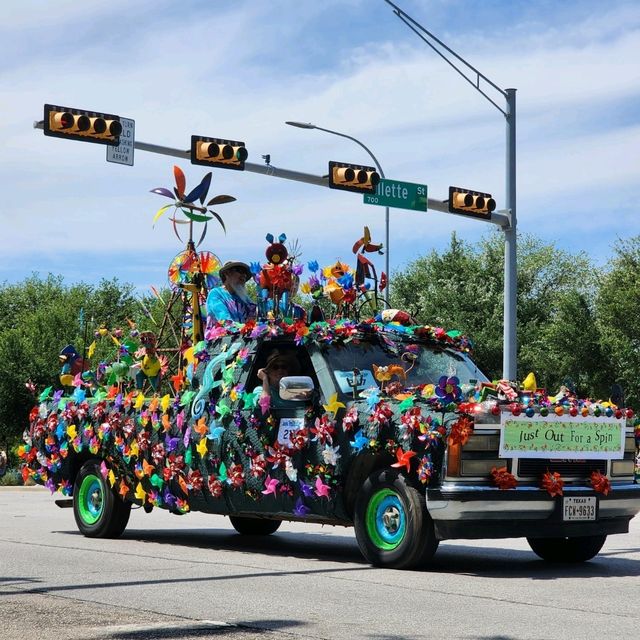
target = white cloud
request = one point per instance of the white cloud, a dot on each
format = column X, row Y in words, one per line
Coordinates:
column 240, row 73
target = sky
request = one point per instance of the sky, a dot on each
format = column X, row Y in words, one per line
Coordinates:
column 238, row 69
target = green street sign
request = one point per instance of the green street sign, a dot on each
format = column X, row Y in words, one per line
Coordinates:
column 400, row 195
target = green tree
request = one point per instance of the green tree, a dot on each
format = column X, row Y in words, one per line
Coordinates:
column 38, row 317
column 462, row 288
column 618, row 316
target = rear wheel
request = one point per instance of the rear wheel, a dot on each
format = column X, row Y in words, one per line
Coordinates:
column 578, row 549
column 393, row 526
column 254, row 526
column 98, row 511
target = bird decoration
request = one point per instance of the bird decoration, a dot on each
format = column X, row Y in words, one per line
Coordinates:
column 530, row 383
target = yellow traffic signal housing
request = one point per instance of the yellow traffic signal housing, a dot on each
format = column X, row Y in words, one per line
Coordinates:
column 471, row 203
column 217, row 152
column 353, row 177
column 77, row 124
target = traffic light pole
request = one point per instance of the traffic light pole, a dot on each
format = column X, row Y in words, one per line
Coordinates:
column 510, row 346
column 510, row 342
column 497, row 218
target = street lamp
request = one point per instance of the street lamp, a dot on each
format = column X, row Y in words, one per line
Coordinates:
column 509, row 359
column 308, row 125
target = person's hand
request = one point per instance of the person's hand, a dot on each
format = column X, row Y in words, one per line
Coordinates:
column 262, row 375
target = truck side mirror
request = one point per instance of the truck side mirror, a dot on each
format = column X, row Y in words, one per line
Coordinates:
column 296, row 388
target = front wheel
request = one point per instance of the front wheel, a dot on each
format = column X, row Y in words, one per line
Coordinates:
column 393, row 527
column 578, row 549
column 98, row 511
column 255, row 526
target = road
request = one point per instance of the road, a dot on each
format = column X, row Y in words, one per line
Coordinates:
column 192, row 576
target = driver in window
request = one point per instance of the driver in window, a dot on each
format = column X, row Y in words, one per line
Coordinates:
column 279, row 364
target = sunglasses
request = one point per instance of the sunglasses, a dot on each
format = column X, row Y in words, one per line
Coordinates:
column 242, row 272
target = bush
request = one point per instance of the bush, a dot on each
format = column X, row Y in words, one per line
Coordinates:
column 12, row 478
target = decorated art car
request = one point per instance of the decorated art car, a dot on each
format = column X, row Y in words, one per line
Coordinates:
column 379, row 423
column 387, row 427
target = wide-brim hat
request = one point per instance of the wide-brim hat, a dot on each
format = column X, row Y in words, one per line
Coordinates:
column 227, row 266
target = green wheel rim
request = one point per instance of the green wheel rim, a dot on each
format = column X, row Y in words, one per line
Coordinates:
column 386, row 520
column 90, row 499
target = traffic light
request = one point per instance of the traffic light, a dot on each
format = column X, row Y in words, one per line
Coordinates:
column 217, row 152
column 353, row 177
column 77, row 124
column 471, row 203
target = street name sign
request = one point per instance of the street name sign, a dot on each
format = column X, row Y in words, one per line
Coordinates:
column 400, row 195
column 123, row 153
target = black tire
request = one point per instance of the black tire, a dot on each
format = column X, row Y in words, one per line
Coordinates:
column 570, row 550
column 393, row 527
column 254, row 526
column 98, row 510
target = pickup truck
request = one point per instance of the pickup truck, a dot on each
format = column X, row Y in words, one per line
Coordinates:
column 389, row 428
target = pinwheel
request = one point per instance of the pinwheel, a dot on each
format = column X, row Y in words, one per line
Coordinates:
column 185, row 202
column 188, row 264
column 366, row 245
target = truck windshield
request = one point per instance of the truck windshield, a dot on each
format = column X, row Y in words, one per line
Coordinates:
column 429, row 365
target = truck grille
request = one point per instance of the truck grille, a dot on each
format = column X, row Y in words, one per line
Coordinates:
column 566, row 468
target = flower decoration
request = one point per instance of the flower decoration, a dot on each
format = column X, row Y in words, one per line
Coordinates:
column 502, row 478
column 448, row 389
column 600, row 483
column 553, row 483
column 461, row 431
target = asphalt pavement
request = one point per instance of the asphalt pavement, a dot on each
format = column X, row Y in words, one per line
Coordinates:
column 192, row 577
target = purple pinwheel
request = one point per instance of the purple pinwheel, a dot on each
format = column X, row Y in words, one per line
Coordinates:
column 169, row 499
column 307, row 489
column 448, row 389
column 300, row 508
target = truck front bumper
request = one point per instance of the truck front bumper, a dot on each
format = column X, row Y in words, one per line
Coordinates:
column 480, row 511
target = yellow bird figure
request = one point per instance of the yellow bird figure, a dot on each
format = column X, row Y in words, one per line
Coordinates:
column 530, row 383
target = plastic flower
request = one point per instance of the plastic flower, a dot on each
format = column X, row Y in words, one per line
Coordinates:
column 448, row 389
column 461, row 431
column 553, row 483
column 600, row 483
column 502, row 478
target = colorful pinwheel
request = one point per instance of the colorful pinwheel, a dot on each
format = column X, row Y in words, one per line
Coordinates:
column 184, row 202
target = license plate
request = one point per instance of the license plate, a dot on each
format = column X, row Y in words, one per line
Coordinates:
column 579, row 508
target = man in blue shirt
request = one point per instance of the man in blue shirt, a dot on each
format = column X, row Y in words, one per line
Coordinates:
column 231, row 301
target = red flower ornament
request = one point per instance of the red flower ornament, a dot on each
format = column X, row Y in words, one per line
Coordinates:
column 553, row 483
column 502, row 478
column 600, row 483
column 461, row 431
